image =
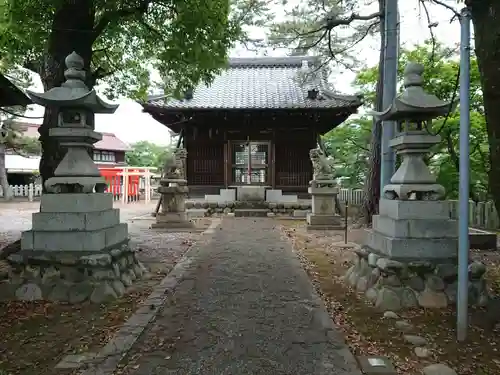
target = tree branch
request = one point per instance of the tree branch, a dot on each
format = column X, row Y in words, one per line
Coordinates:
column 97, row 74
column 32, row 66
column 430, row 25
column 449, row 7
column 330, row 24
column 114, row 15
column 334, row 22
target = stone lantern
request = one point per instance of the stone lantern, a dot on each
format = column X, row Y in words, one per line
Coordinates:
column 410, row 254
column 78, row 249
column 173, row 189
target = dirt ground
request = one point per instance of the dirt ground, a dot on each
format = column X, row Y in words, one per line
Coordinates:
column 369, row 333
column 35, row 336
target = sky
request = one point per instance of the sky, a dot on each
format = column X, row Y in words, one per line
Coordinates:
column 131, row 125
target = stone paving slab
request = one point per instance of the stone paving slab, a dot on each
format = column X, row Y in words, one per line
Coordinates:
column 243, row 305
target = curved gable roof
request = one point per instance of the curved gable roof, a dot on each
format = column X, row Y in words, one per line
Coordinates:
column 262, row 83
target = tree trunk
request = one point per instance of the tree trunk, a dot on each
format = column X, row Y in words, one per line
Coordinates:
column 7, row 194
column 486, row 21
column 72, row 30
column 372, row 182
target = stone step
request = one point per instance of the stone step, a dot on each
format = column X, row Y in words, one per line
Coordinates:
column 250, row 212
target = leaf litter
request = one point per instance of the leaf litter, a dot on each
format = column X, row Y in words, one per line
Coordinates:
column 35, row 336
column 368, row 333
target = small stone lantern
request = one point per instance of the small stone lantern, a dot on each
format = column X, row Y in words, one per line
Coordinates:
column 78, row 249
column 410, row 254
column 174, row 190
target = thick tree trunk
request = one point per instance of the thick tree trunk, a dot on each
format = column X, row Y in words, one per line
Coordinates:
column 372, row 182
column 72, row 30
column 486, row 21
column 7, row 194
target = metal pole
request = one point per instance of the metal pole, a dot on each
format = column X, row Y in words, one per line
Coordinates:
column 388, row 162
column 346, row 217
column 464, row 179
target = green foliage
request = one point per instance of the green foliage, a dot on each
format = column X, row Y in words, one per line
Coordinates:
column 12, row 138
column 185, row 41
column 349, row 143
column 147, row 154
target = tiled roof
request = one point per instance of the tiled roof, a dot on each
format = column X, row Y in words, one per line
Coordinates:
column 10, row 95
column 263, row 82
column 109, row 140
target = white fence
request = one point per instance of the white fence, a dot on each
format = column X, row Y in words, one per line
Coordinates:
column 351, row 196
column 24, row 191
column 32, row 192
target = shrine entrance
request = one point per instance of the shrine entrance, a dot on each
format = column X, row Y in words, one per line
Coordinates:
column 250, row 163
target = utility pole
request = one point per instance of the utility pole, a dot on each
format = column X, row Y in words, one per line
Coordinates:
column 388, row 156
column 464, row 177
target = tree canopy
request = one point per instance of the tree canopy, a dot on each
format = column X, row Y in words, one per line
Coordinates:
column 185, row 41
column 147, row 154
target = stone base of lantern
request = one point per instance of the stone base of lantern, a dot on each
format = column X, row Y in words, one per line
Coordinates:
column 394, row 285
column 410, row 258
column 172, row 221
column 324, row 222
column 413, row 230
column 173, row 215
column 323, row 209
column 70, row 276
column 77, row 250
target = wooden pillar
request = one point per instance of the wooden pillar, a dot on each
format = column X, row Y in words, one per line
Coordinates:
column 147, row 186
column 226, row 161
column 125, row 185
column 272, row 157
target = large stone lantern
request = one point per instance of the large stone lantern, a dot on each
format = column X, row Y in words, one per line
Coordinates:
column 410, row 254
column 78, row 249
column 76, row 173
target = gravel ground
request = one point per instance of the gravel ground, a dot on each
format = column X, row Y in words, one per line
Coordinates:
column 158, row 250
column 243, row 306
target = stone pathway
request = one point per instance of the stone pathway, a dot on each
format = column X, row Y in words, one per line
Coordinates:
column 242, row 304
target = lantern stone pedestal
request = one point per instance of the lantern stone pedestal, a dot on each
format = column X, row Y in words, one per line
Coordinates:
column 323, row 214
column 410, row 255
column 173, row 215
column 77, row 249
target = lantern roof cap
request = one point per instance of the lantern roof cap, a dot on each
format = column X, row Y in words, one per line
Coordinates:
column 73, row 92
column 414, row 103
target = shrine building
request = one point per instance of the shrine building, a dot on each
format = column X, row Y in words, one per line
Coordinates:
column 255, row 123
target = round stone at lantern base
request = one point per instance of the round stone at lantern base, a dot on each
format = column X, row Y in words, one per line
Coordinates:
column 394, row 285
column 71, row 277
